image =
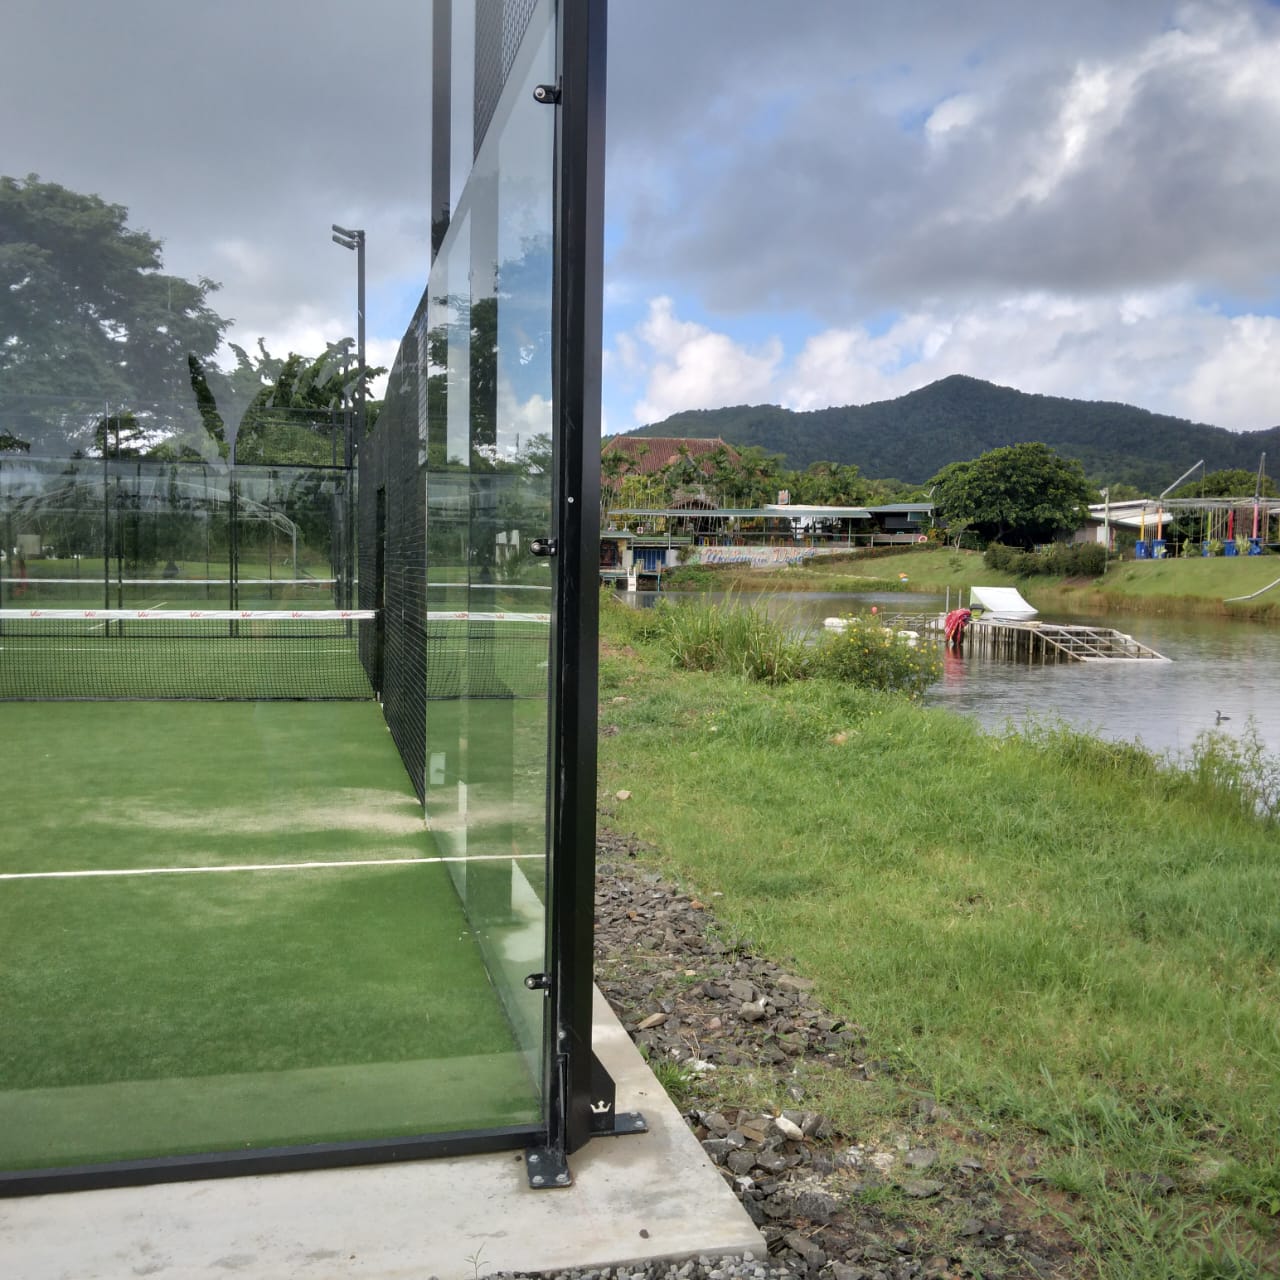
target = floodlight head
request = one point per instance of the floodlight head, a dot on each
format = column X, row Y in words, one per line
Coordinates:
column 342, row 231
column 346, row 244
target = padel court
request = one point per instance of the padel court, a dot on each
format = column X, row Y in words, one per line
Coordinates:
column 224, row 926
column 297, row 697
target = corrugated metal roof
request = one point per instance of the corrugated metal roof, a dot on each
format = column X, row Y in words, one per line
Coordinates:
column 801, row 511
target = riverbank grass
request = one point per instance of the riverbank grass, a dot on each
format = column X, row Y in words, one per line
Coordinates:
column 1061, row 937
column 1192, row 586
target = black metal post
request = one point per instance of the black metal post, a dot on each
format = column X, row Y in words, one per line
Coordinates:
column 349, row 239
column 577, row 335
column 360, row 361
column 441, row 120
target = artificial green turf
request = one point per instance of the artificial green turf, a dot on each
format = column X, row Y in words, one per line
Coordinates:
column 157, row 784
column 161, row 1013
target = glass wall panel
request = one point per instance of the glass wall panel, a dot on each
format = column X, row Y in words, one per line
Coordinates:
column 224, row 924
column 488, row 496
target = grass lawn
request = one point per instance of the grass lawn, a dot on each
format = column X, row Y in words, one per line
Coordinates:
column 161, row 1013
column 1048, row 933
column 1194, row 585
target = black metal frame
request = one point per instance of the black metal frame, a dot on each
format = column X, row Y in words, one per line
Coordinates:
column 577, row 334
column 236, row 1164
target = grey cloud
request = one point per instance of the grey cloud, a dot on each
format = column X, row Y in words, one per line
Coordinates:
column 756, row 150
column 260, row 122
column 1182, row 189
column 840, row 209
column 676, row 66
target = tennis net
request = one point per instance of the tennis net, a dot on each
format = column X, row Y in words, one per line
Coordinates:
column 153, row 593
column 473, row 654
column 202, row 655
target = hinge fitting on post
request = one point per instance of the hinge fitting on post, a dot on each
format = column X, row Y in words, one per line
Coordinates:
column 543, row 546
column 538, row 982
column 547, row 94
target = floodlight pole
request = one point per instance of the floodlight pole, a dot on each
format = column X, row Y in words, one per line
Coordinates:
column 355, row 240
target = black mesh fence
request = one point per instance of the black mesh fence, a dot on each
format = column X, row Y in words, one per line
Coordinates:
column 487, row 655
column 392, row 564
column 145, row 509
column 500, row 27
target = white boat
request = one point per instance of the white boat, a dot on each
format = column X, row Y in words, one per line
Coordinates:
column 1003, row 604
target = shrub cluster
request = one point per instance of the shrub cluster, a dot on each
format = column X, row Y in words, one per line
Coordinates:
column 1062, row 560
column 741, row 638
column 872, row 656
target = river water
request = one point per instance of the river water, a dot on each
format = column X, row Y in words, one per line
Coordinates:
column 1232, row 668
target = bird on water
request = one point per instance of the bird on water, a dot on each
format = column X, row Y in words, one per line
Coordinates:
column 1221, row 717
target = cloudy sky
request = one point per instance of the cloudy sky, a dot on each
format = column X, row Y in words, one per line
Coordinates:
column 823, row 202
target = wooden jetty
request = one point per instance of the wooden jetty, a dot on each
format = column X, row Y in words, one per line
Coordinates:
column 1036, row 641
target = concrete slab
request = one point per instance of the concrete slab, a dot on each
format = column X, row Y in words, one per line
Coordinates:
column 653, row 1195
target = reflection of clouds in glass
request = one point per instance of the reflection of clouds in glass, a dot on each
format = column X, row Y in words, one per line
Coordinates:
column 524, row 218
column 520, row 420
column 524, row 317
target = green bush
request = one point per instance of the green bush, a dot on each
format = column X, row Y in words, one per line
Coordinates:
column 1239, row 767
column 1092, row 559
column 871, row 656
column 1008, row 560
column 1061, row 560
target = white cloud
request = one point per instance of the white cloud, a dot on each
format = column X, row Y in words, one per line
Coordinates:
column 688, row 366
column 952, row 115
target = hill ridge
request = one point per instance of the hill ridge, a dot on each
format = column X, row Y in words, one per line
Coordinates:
column 912, row 436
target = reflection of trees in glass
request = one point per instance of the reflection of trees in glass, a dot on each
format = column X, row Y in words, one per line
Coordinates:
column 62, row 502
column 487, row 499
column 102, row 352
column 293, row 414
column 86, row 311
column 508, row 358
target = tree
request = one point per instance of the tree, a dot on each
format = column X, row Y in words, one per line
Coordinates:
column 1021, row 494
column 1234, row 482
column 292, row 416
column 87, row 314
column 830, row 484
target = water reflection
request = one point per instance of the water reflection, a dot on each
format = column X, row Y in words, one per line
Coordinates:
column 1216, row 667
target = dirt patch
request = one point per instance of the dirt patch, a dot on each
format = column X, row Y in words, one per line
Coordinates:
column 355, row 809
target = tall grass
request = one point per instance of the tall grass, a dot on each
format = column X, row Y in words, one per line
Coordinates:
column 740, row 638
column 1071, row 938
column 731, row 636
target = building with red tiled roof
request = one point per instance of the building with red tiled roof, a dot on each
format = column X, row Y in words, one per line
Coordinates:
column 647, row 455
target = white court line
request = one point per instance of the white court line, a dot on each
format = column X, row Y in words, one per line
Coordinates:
column 262, row 866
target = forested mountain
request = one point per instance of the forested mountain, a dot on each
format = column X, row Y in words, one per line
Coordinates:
column 913, row 437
